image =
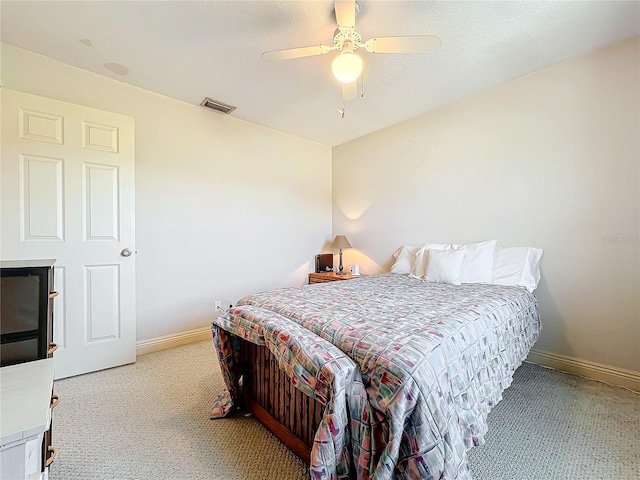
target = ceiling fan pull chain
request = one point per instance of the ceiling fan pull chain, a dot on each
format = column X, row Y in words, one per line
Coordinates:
column 341, row 109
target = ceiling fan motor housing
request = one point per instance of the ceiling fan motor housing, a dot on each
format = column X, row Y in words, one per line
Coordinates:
column 349, row 37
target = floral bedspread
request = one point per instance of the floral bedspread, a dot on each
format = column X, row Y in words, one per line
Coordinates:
column 408, row 370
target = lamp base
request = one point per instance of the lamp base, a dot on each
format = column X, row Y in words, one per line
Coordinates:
column 340, row 268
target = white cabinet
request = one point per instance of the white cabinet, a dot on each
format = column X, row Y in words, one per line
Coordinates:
column 25, row 418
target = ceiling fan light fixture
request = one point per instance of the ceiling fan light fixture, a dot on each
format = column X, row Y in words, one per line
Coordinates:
column 347, row 67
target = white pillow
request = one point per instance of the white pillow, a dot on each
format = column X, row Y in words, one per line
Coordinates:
column 517, row 266
column 420, row 266
column 445, row 266
column 478, row 262
column 405, row 259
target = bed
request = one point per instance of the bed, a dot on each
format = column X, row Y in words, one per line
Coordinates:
column 382, row 377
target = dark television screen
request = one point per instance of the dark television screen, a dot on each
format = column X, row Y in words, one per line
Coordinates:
column 19, row 304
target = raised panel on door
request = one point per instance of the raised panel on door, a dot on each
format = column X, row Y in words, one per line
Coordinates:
column 40, row 126
column 101, row 194
column 102, row 302
column 41, row 198
column 100, row 137
column 59, row 307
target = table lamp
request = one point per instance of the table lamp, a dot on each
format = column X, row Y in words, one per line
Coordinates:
column 340, row 242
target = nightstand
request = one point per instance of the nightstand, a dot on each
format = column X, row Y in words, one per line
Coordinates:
column 324, row 277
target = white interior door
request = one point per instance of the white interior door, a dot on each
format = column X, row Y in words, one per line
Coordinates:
column 67, row 178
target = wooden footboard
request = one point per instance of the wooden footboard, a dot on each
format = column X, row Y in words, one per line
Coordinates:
column 269, row 395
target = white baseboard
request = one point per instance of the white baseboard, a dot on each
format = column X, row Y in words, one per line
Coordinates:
column 596, row 371
column 175, row 340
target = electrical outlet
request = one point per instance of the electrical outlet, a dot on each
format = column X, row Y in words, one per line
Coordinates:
column 230, row 303
column 218, row 305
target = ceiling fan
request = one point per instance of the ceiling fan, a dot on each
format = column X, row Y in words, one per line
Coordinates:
column 347, row 66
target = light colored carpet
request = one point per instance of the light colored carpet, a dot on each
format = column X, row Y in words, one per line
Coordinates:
column 150, row 420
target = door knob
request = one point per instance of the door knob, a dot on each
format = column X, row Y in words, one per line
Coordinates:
column 126, row 252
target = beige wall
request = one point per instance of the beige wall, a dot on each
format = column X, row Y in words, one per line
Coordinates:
column 223, row 207
column 550, row 160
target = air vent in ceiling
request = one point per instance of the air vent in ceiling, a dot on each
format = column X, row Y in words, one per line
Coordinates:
column 217, row 106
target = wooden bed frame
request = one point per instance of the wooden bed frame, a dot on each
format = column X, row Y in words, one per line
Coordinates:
column 268, row 394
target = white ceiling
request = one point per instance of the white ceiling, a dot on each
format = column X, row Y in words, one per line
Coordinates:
column 189, row 50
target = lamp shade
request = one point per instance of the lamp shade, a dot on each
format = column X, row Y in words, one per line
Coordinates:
column 340, row 241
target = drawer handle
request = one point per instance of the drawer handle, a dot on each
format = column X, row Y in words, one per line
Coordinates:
column 52, row 348
column 55, row 400
column 54, row 454
column 53, row 294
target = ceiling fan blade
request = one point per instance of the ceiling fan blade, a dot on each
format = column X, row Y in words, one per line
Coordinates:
column 345, row 14
column 349, row 91
column 410, row 44
column 290, row 53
